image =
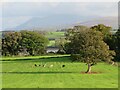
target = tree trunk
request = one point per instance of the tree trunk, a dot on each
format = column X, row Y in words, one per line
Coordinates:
column 89, row 68
column 33, row 52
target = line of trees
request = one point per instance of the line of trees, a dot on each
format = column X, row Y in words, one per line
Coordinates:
column 80, row 41
column 23, row 43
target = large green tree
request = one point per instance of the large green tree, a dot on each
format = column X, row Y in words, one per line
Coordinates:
column 118, row 44
column 71, row 31
column 105, row 30
column 118, row 38
column 69, row 36
column 10, row 43
column 108, row 36
column 88, row 45
column 60, row 43
column 34, row 42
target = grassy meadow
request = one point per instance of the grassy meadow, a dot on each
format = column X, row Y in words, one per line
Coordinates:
column 25, row 72
column 51, row 43
column 54, row 35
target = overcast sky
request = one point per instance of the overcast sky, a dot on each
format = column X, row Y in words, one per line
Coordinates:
column 14, row 14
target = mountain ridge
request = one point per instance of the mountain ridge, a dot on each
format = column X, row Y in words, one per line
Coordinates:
column 61, row 22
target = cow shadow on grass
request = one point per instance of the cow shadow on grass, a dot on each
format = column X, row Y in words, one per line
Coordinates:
column 38, row 72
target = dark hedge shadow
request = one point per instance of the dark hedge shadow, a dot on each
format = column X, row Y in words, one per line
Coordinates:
column 36, row 72
column 51, row 59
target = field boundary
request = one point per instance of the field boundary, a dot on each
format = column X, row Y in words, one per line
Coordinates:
column 31, row 57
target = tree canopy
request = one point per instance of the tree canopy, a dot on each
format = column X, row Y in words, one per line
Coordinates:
column 15, row 42
column 117, row 35
column 88, row 45
column 105, row 30
column 10, row 43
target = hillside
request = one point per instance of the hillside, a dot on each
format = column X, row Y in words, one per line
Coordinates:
column 109, row 21
column 53, row 23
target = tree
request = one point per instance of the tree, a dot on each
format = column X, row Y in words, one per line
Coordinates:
column 118, row 39
column 69, row 36
column 89, row 46
column 118, row 44
column 71, row 31
column 10, row 43
column 60, row 44
column 108, row 37
column 105, row 30
column 34, row 42
column 111, row 41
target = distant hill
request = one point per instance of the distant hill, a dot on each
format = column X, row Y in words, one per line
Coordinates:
column 52, row 22
column 55, row 22
column 109, row 21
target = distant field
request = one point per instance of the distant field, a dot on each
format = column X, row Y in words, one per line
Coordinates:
column 51, row 43
column 22, row 73
column 55, row 34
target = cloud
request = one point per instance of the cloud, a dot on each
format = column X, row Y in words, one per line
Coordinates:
column 48, row 8
column 0, row 9
column 105, row 9
column 11, row 22
column 15, row 13
column 54, row 4
column 21, row 9
column 99, row 9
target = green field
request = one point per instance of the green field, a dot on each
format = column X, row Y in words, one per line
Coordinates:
column 22, row 73
column 55, row 34
column 51, row 43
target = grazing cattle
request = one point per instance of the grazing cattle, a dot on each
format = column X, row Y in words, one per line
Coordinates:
column 63, row 65
column 51, row 65
column 44, row 65
column 35, row 65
